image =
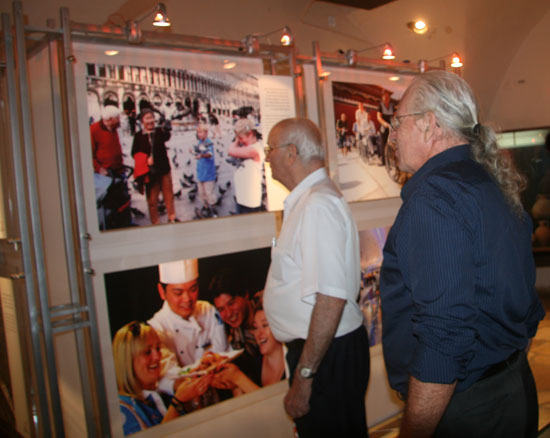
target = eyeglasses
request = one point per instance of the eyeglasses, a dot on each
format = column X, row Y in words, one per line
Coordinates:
column 269, row 149
column 395, row 121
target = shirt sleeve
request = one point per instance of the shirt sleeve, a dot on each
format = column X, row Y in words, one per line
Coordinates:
column 323, row 250
column 439, row 260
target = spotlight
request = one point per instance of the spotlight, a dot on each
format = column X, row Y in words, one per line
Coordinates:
column 388, row 52
column 419, row 26
column 456, row 62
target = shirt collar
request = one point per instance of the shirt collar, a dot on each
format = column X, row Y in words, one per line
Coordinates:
column 456, row 153
column 189, row 322
column 309, row 181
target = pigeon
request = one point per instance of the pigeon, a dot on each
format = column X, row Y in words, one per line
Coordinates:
column 189, row 178
column 228, row 184
column 178, row 194
column 222, row 191
column 188, row 162
column 184, row 184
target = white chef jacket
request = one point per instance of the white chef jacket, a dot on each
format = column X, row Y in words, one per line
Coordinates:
column 188, row 338
column 317, row 251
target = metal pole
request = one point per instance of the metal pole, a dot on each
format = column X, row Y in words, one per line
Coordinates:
column 40, row 405
column 297, row 77
column 319, row 86
column 70, row 246
column 86, row 267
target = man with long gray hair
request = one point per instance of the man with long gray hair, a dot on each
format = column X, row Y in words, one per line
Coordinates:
column 457, row 283
column 310, row 298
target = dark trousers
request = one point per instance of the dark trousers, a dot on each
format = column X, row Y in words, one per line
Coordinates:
column 503, row 404
column 337, row 403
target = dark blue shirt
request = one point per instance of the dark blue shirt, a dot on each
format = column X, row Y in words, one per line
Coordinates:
column 457, row 281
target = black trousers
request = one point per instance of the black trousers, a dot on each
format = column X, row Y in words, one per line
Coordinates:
column 501, row 405
column 337, row 403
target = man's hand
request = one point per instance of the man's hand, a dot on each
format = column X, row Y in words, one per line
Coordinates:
column 297, row 397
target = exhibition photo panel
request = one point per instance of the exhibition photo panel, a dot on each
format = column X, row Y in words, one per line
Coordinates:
column 175, row 144
column 372, row 244
column 358, row 127
column 192, row 329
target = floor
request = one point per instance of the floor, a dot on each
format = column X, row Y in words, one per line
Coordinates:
column 539, row 359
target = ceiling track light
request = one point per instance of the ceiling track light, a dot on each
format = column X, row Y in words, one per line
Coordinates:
column 251, row 43
column 456, row 62
column 352, row 55
column 133, row 27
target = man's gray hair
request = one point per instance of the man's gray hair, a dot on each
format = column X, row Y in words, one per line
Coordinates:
column 305, row 135
column 454, row 105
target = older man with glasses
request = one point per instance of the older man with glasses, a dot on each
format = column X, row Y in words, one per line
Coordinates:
column 457, row 282
column 310, row 298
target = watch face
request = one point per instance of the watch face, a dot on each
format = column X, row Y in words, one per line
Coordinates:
column 306, row 372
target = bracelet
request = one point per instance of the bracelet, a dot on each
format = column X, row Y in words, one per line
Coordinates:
column 178, row 405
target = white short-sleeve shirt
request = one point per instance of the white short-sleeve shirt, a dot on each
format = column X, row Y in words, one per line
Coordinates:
column 248, row 179
column 317, row 251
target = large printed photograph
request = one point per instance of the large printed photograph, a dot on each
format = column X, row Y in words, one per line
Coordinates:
column 173, row 145
column 188, row 334
column 367, row 164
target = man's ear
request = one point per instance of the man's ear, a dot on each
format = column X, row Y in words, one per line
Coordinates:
column 429, row 125
column 161, row 291
column 292, row 153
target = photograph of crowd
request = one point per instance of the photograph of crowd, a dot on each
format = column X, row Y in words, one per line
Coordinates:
column 173, row 145
column 372, row 244
column 367, row 163
column 188, row 334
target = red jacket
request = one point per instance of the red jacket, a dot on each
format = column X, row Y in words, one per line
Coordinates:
column 106, row 149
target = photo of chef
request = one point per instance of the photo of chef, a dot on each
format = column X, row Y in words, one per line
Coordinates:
column 173, row 145
column 372, row 244
column 197, row 335
column 367, row 163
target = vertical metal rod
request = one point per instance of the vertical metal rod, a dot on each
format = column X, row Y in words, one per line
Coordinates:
column 298, row 84
column 81, row 221
column 319, row 86
column 70, row 248
column 43, row 426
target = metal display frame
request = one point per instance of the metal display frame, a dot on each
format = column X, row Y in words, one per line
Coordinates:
column 25, row 249
column 79, row 315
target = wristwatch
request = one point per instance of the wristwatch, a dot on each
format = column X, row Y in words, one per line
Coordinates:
column 307, row 373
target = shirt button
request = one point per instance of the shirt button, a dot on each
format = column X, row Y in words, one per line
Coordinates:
column 177, row 331
column 181, row 352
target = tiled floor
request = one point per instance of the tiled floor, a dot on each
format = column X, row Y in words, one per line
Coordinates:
column 539, row 359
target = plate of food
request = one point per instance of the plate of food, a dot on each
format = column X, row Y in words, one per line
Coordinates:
column 209, row 362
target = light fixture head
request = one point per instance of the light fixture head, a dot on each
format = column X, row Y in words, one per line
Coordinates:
column 286, row 38
column 251, row 44
column 388, row 52
column 456, row 62
column 351, row 57
column 419, row 26
column 394, row 78
column 161, row 19
column 111, row 52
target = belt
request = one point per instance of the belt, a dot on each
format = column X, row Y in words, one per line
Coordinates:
column 499, row 367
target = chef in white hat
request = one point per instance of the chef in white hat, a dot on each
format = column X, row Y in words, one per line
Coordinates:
column 187, row 326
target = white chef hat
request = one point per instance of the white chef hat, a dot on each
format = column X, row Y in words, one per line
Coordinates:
column 180, row 271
